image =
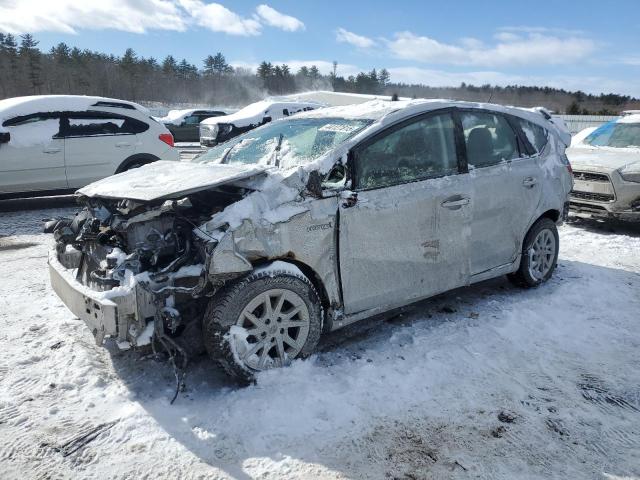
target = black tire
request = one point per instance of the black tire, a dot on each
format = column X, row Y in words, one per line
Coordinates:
column 226, row 306
column 523, row 277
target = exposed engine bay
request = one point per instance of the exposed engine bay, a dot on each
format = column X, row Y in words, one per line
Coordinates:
column 150, row 258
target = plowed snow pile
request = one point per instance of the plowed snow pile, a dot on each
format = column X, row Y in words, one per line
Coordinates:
column 485, row 382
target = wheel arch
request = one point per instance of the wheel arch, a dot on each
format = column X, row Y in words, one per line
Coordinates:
column 135, row 158
column 552, row 214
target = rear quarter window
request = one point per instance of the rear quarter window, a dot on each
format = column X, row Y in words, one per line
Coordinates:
column 536, row 135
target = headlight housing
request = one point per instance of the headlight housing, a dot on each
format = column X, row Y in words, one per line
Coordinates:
column 631, row 172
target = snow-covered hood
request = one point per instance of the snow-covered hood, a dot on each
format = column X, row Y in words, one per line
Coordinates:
column 166, row 179
column 608, row 158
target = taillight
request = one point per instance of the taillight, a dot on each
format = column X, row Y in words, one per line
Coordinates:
column 567, row 163
column 166, row 138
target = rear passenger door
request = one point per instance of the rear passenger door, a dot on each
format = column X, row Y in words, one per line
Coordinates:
column 33, row 160
column 404, row 232
column 96, row 144
column 504, row 193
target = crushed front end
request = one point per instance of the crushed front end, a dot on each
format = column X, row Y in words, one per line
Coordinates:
column 137, row 272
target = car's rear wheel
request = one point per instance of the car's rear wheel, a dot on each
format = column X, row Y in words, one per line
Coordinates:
column 263, row 321
column 539, row 254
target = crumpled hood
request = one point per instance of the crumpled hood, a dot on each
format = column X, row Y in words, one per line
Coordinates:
column 603, row 157
column 167, row 179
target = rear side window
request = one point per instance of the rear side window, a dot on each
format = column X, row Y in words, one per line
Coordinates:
column 489, row 139
column 536, row 135
column 416, row 151
column 88, row 125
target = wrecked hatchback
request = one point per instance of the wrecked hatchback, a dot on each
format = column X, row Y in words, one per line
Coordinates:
column 307, row 224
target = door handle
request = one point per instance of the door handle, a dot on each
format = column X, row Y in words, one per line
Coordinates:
column 123, row 144
column 51, row 150
column 529, row 182
column 454, row 204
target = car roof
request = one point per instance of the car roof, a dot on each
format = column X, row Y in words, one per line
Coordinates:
column 18, row 106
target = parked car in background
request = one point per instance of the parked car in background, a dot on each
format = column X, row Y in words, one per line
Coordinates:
column 184, row 125
column 606, row 171
column 220, row 129
column 56, row 143
column 310, row 223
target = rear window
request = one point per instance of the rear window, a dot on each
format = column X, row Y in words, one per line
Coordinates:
column 536, row 135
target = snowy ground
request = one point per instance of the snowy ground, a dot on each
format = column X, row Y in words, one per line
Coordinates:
column 485, row 382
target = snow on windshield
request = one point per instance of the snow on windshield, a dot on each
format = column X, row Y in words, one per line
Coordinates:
column 285, row 144
column 618, row 134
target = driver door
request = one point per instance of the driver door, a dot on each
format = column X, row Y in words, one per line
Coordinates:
column 404, row 231
column 33, row 159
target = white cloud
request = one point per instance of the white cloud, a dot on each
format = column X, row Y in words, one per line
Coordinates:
column 68, row 16
column 510, row 49
column 137, row 16
column 345, row 36
column 218, row 18
column 274, row 18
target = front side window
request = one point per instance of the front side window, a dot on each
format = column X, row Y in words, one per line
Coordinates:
column 285, row 143
column 489, row 139
column 536, row 135
column 615, row 134
column 87, row 125
column 422, row 149
column 33, row 129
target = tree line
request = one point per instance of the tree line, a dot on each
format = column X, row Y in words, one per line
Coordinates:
column 26, row 70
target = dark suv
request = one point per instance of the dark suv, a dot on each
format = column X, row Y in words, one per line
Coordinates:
column 184, row 125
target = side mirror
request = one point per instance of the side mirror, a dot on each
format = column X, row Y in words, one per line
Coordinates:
column 314, row 184
column 5, row 137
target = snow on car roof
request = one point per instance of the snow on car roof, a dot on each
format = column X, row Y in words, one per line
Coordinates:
column 12, row 107
column 177, row 116
column 630, row 118
column 255, row 112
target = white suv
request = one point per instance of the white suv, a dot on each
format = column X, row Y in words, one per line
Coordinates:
column 56, row 143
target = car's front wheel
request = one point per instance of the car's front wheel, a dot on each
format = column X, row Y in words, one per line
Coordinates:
column 263, row 321
column 539, row 254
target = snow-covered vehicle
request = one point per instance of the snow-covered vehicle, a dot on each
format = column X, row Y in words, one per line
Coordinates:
column 184, row 124
column 220, row 129
column 53, row 144
column 606, row 171
column 310, row 223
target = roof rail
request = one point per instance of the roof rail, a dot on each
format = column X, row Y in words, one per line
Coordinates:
column 128, row 106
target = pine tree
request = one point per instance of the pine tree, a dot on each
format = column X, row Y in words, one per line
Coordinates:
column 31, row 61
column 384, row 77
column 208, row 65
column 169, row 65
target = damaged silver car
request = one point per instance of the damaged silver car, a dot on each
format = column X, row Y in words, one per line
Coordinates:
column 310, row 223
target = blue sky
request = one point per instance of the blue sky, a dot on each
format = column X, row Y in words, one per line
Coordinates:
column 587, row 45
